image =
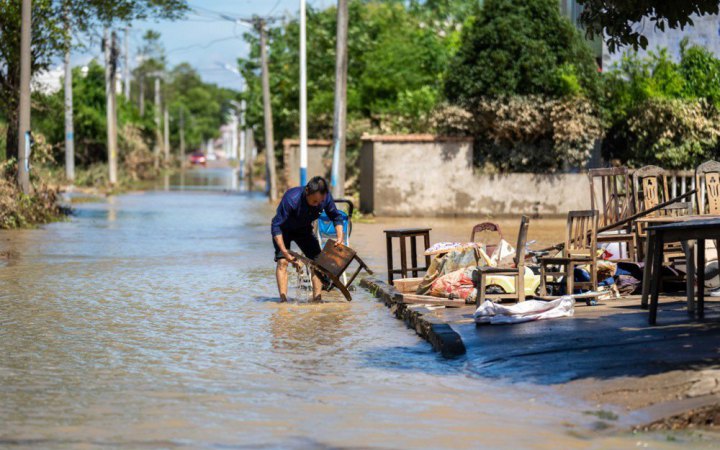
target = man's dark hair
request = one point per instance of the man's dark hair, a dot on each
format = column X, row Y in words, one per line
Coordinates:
column 317, row 184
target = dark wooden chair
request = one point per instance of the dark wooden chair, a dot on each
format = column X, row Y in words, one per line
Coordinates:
column 517, row 270
column 484, row 228
column 612, row 195
column 580, row 249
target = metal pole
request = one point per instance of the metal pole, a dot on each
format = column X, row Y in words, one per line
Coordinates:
column 126, row 67
column 269, row 142
column 158, row 132
column 338, row 167
column 303, row 95
column 69, row 130
column 24, row 106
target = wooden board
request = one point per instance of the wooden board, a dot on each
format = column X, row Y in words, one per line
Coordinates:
column 429, row 300
column 407, row 285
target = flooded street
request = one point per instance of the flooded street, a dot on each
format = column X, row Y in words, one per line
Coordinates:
column 150, row 320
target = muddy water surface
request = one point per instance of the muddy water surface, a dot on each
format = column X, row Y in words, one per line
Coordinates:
column 150, row 320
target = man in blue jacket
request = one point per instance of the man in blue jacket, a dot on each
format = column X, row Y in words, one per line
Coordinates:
column 293, row 222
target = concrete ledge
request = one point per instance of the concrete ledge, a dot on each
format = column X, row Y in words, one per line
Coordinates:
column 431, row 328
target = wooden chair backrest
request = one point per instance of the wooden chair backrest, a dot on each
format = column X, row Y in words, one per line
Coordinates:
column 581, row 237
column 485, row 226
column 521, row 243
column 650, row 187
column 707, row 183
column 611, row 194
column 678, row 209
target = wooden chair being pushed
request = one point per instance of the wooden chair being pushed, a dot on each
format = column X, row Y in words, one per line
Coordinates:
column 517, row 271
column 580, row 249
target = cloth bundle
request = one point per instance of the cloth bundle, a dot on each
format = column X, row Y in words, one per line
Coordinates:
column 529, row 310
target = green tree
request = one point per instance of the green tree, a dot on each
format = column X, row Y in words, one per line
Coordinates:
column 613, row 18
column 520, row 47
column 49, row 39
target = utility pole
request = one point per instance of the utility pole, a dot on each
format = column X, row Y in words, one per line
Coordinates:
column 340, row 115
column 24, row 106
column 250, row 145
column 69, row 129
column 269, row 142
column 182, row 134
column 110, row 44
column 158, row 132
column 141, row 97
column 166, row 134
column 243, row 147
column 126, row 67
column 303, row 95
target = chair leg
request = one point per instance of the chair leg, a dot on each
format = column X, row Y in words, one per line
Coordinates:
column 593, row 276
column 480, row 299
column 656, row 278
column 543, row 281
column 569, row 278
column 520, row 287
column 700, row 268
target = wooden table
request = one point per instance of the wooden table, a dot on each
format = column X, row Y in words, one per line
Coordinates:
column 401, row 234
column 690, row 229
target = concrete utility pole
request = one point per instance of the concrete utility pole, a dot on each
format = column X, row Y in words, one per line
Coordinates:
column 69, row 129
column 166, row 134
column 126, row 66
column 158, row 132
column 269, row 142
column 339, row 124
column 303, row 95
column 250, row 146
column 110, row 43
column 141, row 96
column 243, row 147
column 24, row 106
column 182, row 134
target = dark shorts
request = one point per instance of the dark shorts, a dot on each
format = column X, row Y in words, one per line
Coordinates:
column 305, row 239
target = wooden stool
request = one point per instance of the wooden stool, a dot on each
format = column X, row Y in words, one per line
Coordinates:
column 402, row 234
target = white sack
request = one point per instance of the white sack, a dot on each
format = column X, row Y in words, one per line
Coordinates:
column 495, row 313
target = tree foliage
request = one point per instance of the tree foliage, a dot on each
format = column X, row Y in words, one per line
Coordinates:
column 617, row 20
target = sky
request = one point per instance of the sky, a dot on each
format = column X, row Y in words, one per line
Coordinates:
column 204, row 39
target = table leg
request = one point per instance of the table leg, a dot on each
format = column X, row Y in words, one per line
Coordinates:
column 647, row 270
column 403, row 257
column 388, row 243
column 701, row 278
column 656, row 277
column 689, row 247
column 426, row 238
column 413, row 254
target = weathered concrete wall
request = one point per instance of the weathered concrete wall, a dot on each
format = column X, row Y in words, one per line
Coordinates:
column 424, row 175
column 319, row 160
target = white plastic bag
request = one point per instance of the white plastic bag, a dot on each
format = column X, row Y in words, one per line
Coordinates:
column 495, row 314
column 503, row 255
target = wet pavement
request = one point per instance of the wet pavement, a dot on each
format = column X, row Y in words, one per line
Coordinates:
column 151, row 320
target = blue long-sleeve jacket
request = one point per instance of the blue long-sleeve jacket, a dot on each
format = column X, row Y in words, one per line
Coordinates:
column 294, row 213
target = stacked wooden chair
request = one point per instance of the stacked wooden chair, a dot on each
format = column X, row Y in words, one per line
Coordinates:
column 580, row 249
column 611, row 194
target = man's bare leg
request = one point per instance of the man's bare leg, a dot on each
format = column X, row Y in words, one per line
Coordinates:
column 317, row 287
column 282, row 278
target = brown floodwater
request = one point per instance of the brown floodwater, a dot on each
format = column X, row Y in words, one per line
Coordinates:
column 150, row 320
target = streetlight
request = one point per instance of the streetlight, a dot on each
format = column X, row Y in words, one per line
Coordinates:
column 303, row 96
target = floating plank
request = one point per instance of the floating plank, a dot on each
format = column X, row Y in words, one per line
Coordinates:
column 407, row 285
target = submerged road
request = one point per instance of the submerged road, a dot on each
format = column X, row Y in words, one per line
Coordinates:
column 150, row 320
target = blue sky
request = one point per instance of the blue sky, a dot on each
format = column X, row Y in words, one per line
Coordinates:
column 204, row 39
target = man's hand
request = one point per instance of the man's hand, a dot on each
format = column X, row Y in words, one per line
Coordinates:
column 340, row 236
column 339, row 241
column 290, row 258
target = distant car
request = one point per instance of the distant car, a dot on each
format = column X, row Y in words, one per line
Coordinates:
column 198, row 158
